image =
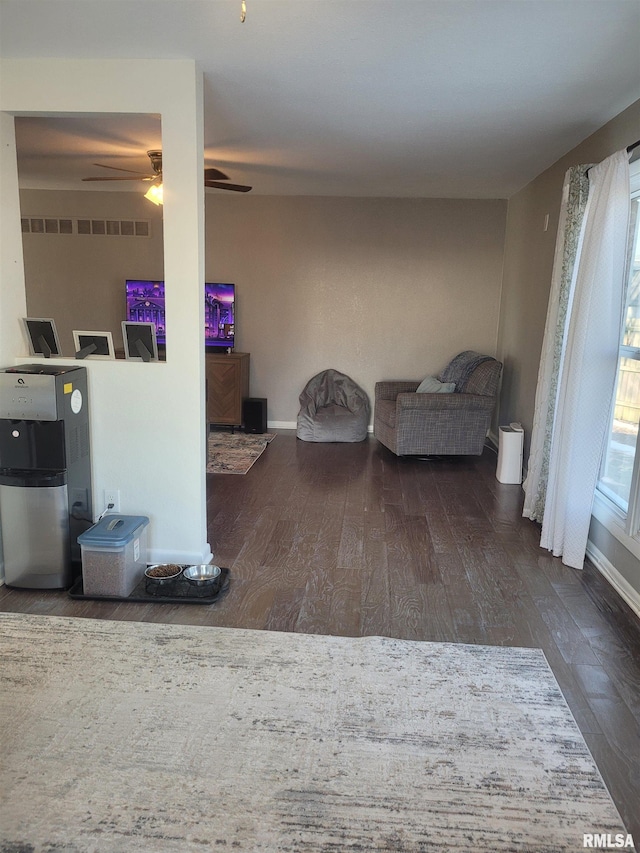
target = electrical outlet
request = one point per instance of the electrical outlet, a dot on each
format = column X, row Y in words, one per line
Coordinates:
column 112, row 496
column 79, row 500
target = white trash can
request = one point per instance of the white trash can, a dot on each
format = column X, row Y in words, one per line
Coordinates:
column 510, row 448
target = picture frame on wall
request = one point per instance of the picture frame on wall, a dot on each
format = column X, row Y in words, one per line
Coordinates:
column 42, row 336
column 140, row 342
column 97, row 345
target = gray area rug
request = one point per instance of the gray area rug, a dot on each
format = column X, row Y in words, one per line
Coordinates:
column 235, row 452
column 120, row 736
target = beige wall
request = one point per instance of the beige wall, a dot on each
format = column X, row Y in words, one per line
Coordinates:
column 528, row 262
column 376, row 288
column 79, row 279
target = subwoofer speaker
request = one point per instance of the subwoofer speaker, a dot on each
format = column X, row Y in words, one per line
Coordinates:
column 254, row 414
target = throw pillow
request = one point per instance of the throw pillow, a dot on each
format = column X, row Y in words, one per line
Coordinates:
column 431, row 385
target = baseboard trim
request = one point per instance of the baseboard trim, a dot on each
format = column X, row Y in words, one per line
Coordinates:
column 613, row 576
column 294, row 425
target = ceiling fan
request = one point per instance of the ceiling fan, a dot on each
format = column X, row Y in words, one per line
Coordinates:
column 212, row 177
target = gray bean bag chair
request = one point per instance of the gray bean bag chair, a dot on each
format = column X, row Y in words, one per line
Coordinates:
column 333, row 408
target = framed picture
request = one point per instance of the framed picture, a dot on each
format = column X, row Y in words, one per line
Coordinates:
column 94, row 345
column 42, row 336
column 140, row 342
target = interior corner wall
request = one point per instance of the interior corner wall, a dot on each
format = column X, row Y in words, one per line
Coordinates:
column 152, row 451
column 528, row 263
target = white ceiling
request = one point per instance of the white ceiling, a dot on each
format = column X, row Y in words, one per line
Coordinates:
column 425, row 98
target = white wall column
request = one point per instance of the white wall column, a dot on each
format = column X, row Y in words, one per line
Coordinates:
column 148, row 420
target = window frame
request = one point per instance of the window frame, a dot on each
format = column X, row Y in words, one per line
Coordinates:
column 624, row 526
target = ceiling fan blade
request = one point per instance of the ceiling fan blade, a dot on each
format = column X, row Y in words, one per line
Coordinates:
column 214, row 175
column 124, row 178
column 120, row 169
column 220, row 185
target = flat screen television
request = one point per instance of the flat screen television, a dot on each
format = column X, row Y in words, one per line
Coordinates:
column 219, row 315
column 146, row 304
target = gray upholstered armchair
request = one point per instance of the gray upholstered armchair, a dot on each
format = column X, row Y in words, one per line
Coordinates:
column 411, row 423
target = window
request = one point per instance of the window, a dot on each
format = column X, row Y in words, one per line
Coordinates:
column 619, row 473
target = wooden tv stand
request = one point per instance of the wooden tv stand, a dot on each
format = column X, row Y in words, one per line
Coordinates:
column 227, row 384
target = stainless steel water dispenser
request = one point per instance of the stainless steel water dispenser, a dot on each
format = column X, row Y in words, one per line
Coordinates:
column 45, row 473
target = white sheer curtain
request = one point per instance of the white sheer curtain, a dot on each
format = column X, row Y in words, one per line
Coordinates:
column 579, row 406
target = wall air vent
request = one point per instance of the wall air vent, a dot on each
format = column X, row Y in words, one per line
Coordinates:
column 42, row 225
column 100, row 227
column 115, row 227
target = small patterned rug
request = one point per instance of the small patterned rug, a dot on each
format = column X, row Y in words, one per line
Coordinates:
column 122, row 736
column 235, row 452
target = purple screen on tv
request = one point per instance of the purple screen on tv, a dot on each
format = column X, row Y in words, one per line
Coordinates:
column 219, row 314
column 146, row 304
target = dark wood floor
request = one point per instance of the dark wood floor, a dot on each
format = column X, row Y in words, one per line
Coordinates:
column 347, row 539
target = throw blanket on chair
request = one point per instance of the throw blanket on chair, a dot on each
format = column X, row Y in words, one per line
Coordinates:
column 461, row 367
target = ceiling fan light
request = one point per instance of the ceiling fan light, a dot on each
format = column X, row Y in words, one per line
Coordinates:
column 154, row 193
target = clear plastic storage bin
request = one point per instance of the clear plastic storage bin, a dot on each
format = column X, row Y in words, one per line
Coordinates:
column 114, row 555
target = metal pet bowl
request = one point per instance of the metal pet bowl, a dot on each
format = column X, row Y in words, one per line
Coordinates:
column 202, row 575
column 157, row 574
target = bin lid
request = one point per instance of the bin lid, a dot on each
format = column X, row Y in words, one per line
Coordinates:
column 113, row 530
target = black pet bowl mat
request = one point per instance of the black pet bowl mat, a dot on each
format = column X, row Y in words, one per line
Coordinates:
column 179, row 591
